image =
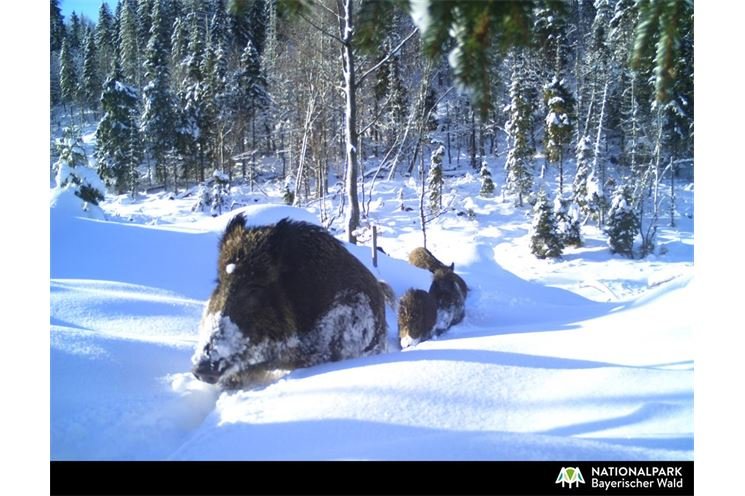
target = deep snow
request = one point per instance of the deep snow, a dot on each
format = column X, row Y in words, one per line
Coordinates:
column 589, row 357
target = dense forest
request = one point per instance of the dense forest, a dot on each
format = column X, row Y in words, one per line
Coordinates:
column 593, row 97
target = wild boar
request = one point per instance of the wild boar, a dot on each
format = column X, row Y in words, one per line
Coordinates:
column 449, row 292
column 417, row 315
column 288, row 295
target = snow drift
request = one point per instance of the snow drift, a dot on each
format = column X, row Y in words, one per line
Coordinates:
column 533, row 373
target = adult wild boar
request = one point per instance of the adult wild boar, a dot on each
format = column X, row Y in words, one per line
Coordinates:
column 288, row 295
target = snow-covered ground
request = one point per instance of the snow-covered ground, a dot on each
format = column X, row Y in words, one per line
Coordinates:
column 587, row 357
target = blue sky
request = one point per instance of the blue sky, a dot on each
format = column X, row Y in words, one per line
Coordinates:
column 89, row 8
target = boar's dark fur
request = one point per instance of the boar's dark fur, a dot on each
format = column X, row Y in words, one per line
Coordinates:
column 446, row 289
column 448, row 292
column 424, row 259
column 417, row 314
column 288, row 295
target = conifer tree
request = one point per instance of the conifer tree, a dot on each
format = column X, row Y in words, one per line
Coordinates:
column 559, row 124
column 434, row 180
column 545, row 241
column 567, row 221
column 248, row 94
column 157, row 123
column 623, row 223
column 75, row 32
column 68, row 76
column 487, row 185
column 90, row 84
column 519, row 162
column 117, row 139
column 580, row 195
column 72, row 170
column 56, row 26
column 191, row 128
column 219, row 35
column 105, row 35
column 179, row 51
column 129, row 48
column 144, row 21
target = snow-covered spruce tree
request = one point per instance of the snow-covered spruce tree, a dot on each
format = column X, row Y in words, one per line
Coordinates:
column 105, row 36
column 288, row 196
column 559, row 124
column 487, row 185
column 220, row 193
column 567, row 221
column 580, row 195
column 72, row 170
column 75, row 32
column 545, row 241
column 190, row 131
column 118, row 150
column 519, row 164
column 622, row 223
column 397, row 96
column 56, row 26
column 90, row 84
column 246, row 96
column 434, row 179
column 212, row 88
column 129, row 50
column 68, row 76
column 157, row 123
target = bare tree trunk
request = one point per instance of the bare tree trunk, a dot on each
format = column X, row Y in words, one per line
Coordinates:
column 672, row 192
column 596, row 153
column 447, row 113
column 304, row 147
column 422, row 217
column 472, row 141
column 346, row 29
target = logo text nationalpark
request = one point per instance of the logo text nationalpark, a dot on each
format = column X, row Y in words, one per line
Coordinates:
column 636, row 477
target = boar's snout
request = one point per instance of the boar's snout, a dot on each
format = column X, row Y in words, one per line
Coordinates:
column 206, row 371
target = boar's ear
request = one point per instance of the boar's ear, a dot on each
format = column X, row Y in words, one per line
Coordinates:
column 239, row 221
column 452, row 266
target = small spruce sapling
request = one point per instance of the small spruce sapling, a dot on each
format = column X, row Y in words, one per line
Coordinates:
column 288, row 196
column 580, row 195
column 220, row 193
column 72, row 169
column 545, row 241
column 435, row 181
column 567, row 220
column 213, row 195
column 623, row 223
column 487, row 185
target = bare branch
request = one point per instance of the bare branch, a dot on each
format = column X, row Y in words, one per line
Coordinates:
column 320, row 29
column 324, row 7
column 375, row 118
column 387, row 57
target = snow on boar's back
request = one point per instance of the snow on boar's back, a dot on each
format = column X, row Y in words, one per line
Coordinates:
column 288, row 295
